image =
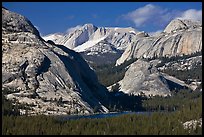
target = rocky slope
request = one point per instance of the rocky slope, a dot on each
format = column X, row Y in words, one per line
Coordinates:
column 179, row 37
column 51, row 79
column 182, row 64
column 98, row 43
column 178, row 24
column 186, row 65
column 142, row 77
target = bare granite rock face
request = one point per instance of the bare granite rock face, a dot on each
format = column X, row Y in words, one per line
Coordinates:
column 143, row 77
column 13, row 22
column 178, row 24
column 180, row 37
column 51, row 78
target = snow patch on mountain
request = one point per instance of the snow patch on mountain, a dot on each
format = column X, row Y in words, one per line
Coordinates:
column 53, row 37
column 88, row 44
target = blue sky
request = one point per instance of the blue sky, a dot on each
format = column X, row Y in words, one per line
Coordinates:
column 52, row 17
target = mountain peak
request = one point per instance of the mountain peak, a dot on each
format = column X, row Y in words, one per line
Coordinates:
column 180, row 24
column 89, row 26
column 13, row 22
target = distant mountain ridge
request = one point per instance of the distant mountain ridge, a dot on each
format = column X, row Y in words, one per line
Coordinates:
column 98, row 43
column 179, row 37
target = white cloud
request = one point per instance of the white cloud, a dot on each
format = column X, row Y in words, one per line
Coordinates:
column 192, row 14
column 73, row 28
column 157, row 16
column 145, row 14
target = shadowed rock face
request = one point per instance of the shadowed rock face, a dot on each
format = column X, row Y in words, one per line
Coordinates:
column 45, row 73
column 179, row 37
column 144, row 77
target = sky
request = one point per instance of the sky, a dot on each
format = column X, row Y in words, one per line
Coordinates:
column 61, row 17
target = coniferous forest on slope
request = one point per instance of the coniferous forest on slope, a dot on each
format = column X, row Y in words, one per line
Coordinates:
column 188, row 107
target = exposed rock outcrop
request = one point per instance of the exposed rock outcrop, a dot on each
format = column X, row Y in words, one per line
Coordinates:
column 51, row 78
column 13, row 22
column 192, row 124
column 178, row 24
column 180, row 37
column 143, row 77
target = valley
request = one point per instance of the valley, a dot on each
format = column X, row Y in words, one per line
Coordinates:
column 106, row 78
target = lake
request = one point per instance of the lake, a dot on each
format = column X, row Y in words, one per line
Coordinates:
column 100, row 115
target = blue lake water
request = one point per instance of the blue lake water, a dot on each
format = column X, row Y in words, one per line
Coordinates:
column 100, row 115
